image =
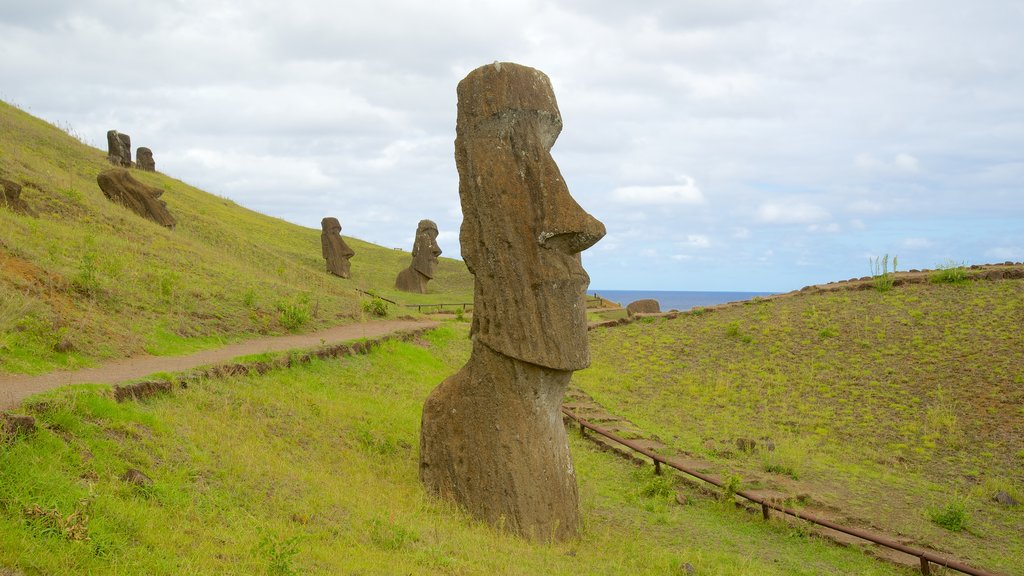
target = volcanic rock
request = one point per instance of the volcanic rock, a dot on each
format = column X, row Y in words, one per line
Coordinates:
column 120, row 187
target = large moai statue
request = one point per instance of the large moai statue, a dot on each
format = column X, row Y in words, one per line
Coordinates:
column 119, row 149
column 492, row 437
column 119, row 186
column 336, row 252
column 144, row 159
column 424, row 260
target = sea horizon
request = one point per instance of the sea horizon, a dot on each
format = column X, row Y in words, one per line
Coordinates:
column 677, row 299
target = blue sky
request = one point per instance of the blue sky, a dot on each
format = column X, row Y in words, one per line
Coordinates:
column 726, row 144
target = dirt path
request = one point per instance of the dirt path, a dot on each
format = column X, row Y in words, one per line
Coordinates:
column 15, row 387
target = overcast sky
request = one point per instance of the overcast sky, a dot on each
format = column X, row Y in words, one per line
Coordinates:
column 726, row 144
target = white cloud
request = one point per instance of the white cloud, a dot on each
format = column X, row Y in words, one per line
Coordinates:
column 686, row 193
column 917, row 243
column 791, row 213
column 1005, row 253
column 900, row 163
column 697, row 241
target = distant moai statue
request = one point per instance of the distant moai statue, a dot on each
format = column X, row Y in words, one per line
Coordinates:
column 144, row 159
column 10, row 196
column 119, row 149
column 645, row 306
column 336, row 252
column 492, row 437
column 119, row 186
column 424, row 260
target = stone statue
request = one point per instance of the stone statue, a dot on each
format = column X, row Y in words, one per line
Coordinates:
column 10, row 196
column 144, row 159
column 645, row 306
column 492, row 437
column 424, row 260
column 119, row 186
column 336, row 251
column 119, row 149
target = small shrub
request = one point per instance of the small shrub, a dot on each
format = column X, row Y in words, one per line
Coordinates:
column 952, row 516
column 86, row 280
column 279, row 554
column 376, row 307
column 730, row 486
column 389, row 535
column 882, row 277
column 828, row 332
column 294, row 315
column 950, row 273
column 657, row 486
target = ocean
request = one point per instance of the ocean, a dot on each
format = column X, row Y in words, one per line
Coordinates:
column 673, row 300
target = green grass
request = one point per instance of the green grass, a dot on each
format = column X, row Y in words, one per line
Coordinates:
column 876, row 403
column 950, row 273
column 112, row 284
column 313, row 470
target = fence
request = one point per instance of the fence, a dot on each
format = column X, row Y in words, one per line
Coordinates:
column 926, row 557
column 463, row 306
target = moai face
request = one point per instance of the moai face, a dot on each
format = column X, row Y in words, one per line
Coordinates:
column 425, row 249
column 335, row 251
column 522, row 232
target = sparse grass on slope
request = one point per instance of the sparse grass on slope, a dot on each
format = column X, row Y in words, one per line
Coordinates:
column 89, row 280
column 882, row 406
column 313, row 470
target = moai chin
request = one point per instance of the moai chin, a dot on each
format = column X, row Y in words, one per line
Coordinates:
column 424, row 260
column 492, row 437
column 336, row 252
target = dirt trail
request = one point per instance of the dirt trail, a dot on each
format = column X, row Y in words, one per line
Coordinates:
column 16, row 387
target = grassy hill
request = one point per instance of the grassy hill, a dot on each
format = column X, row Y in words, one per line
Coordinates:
column 89, row 280
column 314, row 470
column 901, row 409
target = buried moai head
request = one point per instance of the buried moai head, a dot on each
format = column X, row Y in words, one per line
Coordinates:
column 144, row 159
column 119, row 149
column 10, row 196
column 522, row 231
column 336, row 252
column 424, row 260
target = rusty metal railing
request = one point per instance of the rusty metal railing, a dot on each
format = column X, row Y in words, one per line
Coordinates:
column 926, row 557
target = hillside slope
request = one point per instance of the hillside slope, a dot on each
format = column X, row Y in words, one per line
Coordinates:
column 901, row 410
column 88, row 279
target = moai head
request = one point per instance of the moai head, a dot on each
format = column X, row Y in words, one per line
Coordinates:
column 144, row 159
column 425, row 249
column 336, row 252
column 117, row 152
column 522, row 232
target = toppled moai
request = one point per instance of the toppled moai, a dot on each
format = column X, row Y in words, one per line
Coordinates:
column 144, row 159
column 336, row 252
column 492, row 437
column 119, row 149
column 645, row 306
column 11, row 198
column 424, row 260
column 119, row 186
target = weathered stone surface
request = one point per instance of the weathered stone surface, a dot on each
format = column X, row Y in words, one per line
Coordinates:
column 119, row 149
column 424, row 260
column 11, row 198
column 14, row 424
column 144, row 159
column 492, row 437
column 1003, row 497
column 645, row 306
column 119, row 186
column 136, row 477
column 336, row 252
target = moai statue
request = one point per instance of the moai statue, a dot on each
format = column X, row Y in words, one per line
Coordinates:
column 336, row 251
column 492, row 437
column 119, row 149
column 144, row 159
column 10, row 196
column 645, row 306
column 119, row 186
column 424, row 260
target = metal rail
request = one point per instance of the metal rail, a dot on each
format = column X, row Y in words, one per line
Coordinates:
column 462, row 305
column 926, row 557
